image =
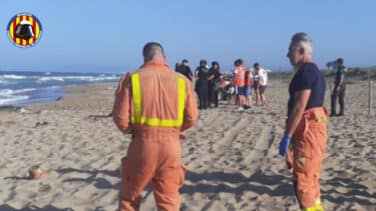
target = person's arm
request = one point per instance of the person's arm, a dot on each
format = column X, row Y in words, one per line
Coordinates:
column 301, row 100
column 196, row 73
column 190, row 109
column 190, row 75
column 121, row 108
column 340, row 83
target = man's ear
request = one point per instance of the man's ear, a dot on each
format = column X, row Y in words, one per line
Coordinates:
column 301, row 51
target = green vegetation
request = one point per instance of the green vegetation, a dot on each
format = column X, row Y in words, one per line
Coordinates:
column 355, row 73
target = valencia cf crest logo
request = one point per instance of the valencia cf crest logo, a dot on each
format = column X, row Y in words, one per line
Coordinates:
column 24, row 30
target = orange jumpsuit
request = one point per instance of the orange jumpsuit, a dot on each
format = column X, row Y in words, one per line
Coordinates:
column 306, row 155
column 154, row 104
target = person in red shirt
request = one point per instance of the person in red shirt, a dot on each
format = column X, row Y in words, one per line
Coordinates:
column 239, row 82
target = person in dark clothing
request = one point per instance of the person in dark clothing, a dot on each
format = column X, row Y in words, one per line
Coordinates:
column 202, row 83
column 185, row 69
column 214, row 83
column 339, row 89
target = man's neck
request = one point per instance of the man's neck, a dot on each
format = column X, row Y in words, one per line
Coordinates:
column 155, row 61
column 306, row 59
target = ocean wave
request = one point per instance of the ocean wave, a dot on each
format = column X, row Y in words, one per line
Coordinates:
column 14, row 77
column 78, row 78
column 11, row 99
column 51, row 78
column 10, row 92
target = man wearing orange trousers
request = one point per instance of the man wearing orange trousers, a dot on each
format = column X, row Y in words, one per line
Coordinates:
column 154, row 104
column 305, row 136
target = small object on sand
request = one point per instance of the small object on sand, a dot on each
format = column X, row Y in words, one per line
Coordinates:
column 96, row 117
column 23, row 110
column 38, row 124
column 35, row 172
column 182, row 137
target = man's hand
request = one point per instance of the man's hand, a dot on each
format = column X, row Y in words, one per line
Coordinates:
column 338, row 88
column 284, row 144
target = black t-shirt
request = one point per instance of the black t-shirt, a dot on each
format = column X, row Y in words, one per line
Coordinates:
column 307, row 77
column 215, row 73
column 340, row 74
column 203, row 74
column 185, row 70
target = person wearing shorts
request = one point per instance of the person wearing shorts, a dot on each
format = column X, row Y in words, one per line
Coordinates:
column 248, row 85
column 239, row 82
column 263, row 79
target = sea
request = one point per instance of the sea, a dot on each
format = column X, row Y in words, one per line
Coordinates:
column 26, row 88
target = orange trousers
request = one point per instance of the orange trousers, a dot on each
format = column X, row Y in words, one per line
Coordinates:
column 306, row 155
column 153, row 161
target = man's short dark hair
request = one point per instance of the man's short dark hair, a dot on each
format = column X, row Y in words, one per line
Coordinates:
column 203, row 62
column 256, row 65
column 151, row 49
column 184, row 61
column 238, row 62
column 340, row 61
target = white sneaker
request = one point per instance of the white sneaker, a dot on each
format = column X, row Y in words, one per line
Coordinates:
column 240, row 109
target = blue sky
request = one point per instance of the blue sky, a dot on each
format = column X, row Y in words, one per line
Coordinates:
column 108, row 36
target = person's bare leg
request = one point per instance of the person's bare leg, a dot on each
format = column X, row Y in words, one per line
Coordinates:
column 249, row 100
column 263, row 102
column 241, row 100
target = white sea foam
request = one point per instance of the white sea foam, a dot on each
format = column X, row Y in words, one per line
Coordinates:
column 9, row 92
column 78, row 78
column 11, row 99
column 51, row 78
column 13, row 77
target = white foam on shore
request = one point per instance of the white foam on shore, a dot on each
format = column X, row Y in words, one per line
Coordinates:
column 12, row 99
column 13, row 77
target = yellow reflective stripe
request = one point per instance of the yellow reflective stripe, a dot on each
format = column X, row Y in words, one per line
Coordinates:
column 137, row 101
column 158, row 122
column 321, row 119
column 181, row 104
column 315, row 208
column 291, row 146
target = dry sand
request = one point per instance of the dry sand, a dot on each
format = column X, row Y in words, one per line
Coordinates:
column 232, row 156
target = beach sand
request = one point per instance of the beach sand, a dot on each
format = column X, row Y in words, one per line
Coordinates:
column 232, row 157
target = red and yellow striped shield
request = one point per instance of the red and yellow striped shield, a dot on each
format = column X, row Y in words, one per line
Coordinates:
column 24, row 30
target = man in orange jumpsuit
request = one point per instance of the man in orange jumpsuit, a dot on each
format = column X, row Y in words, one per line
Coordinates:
column 305, row 135
column 154, row 104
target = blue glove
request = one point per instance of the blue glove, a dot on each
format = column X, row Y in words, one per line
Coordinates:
column 284, row 144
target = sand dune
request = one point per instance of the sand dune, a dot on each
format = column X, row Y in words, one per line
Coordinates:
column 231, row 156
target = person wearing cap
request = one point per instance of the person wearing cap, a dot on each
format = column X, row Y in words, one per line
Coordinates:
column 185, row 69
column 339, row 89
column 155, row 123
column 306, row 132
column 202, row 84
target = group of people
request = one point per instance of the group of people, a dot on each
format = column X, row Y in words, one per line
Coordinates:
column 246, row 80
column 156, row 123
column 209, row 82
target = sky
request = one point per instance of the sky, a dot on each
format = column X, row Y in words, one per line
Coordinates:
column 108, row 36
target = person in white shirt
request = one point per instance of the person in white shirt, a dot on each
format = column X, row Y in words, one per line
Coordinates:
column 263, row 82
